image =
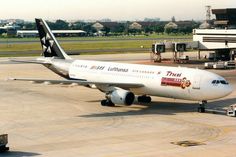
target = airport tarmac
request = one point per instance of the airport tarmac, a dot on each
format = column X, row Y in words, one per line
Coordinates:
column 58, row 120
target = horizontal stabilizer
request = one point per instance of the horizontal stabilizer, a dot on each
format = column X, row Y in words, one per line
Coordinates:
column 31, row 61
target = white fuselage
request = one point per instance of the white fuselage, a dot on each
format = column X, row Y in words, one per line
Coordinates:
column 163, row 81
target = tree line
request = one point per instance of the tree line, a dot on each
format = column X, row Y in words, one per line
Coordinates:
column 120, row 29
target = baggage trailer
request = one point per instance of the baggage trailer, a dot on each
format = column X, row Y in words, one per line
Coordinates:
column 229, row 111
column 220, row 65
column 3, row 143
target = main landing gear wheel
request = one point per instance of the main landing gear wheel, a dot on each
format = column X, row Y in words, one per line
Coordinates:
column 201, row 108
column 107, row 103
column 144, row 99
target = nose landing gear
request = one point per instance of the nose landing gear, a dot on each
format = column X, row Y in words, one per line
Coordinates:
column 201, row 108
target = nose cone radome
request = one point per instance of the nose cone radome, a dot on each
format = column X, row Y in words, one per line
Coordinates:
column 225, row 90
column 228, row 90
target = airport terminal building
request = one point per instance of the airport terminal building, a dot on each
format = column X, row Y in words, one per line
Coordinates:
column 221, row 38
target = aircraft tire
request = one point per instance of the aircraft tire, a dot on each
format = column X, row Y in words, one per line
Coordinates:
column 201, row 109
column 148, row 99
column 104, row 102
column 107, row 103
column 144, row 99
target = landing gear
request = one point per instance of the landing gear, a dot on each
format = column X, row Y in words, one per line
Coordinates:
column 201, row 108
column 107, row 102
column 144, row 99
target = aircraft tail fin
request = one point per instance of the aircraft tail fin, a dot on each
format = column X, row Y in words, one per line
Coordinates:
column 50, row 46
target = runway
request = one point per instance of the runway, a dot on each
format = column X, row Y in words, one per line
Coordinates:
column 59, row 120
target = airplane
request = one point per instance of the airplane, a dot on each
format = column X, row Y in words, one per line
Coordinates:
column 125, row 83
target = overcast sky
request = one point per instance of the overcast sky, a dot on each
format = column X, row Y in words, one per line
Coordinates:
column 113, row 9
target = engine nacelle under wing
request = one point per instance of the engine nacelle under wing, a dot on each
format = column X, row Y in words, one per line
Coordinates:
column 122, row 97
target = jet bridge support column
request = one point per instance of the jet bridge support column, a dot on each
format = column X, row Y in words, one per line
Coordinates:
column 199, row 54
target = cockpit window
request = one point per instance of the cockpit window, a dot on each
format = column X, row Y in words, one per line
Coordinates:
column 219, row 82
column 223, row 82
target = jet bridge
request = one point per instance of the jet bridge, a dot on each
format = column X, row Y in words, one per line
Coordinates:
column 178, row 52
column 157, row 49
column 177, row 48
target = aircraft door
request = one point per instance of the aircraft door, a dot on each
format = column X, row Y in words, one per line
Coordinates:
column 196, row 82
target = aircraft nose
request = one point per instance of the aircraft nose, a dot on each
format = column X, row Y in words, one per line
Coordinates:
column 224, row 90
column 229, row 89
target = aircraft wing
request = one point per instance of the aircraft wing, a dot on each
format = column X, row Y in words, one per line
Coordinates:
column 81, row 82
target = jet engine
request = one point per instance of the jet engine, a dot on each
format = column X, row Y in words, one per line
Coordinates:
column 122, row 97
